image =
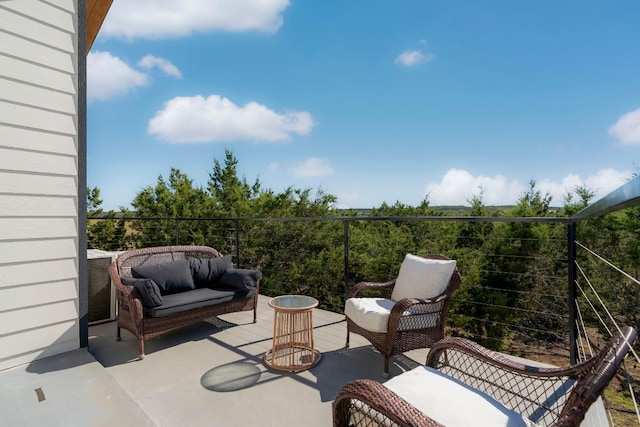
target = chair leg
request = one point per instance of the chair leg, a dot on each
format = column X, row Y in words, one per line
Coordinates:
column 347, row 343
column 141, row 348
column 385, row 374
column 118, row 337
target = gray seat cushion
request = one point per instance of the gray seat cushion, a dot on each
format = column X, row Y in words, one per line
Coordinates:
column 196, row 298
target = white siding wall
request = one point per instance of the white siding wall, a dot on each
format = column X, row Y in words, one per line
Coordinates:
column 39, row 226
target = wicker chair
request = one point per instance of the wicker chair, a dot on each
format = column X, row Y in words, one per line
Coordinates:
column 412, row 322
column 545, row 395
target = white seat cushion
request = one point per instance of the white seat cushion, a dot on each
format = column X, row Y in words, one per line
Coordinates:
column 451, row 402
column 422, row 277
column 371, row 314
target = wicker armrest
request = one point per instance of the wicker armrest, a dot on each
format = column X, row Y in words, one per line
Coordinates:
column 126, row 295
column 364, row 286
column 538, row 393
column 441, row 352
column 368, row 402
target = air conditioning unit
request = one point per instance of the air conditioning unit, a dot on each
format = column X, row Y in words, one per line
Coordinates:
column 102, row 293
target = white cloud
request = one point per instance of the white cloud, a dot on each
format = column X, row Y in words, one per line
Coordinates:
column 347, row 200
column 158, row 19
column 109, row 76
column 348, row 197
column 412, row 57
column 459, row 186
column 627, row 128
column 213, row 119
column 273, row 166
column 312, row 167
column 150, row 61
column 606, row 180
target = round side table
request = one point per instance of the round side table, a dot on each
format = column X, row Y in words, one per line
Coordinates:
column 292, row 348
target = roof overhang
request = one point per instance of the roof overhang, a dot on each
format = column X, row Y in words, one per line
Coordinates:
column 96, row 12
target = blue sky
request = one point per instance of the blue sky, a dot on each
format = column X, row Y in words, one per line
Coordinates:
column 371, row 101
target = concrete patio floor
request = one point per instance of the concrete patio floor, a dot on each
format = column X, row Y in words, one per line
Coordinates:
column 207, row 374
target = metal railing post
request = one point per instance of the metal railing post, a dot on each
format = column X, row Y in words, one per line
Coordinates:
column 345, row 228
column 573, row 294
column 237, row 224
column 177, row 231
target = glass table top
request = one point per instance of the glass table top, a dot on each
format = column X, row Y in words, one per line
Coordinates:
column 293, row 302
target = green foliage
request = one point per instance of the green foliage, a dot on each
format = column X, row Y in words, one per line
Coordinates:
column 110, row 235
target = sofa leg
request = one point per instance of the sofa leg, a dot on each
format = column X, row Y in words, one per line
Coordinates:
column 255, row 314
column 347, row 343
column 385, row 374
column 141, row 349
column 118, row 337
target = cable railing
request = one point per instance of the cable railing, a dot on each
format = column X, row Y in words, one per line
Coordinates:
column 505, row 291
column 593, row 301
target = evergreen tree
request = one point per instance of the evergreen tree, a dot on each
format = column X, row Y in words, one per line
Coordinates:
column 105, row 231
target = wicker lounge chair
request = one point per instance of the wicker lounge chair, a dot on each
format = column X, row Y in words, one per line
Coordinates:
column 413, row 322
column 542, row 395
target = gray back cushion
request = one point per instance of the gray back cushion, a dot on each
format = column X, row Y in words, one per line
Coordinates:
column 207, row 271
column 171, row 277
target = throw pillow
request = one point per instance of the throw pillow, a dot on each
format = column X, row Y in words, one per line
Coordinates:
column 422, row 277
column 239, row 279
column 207, row 271
column 171, row 277
column 148, row 290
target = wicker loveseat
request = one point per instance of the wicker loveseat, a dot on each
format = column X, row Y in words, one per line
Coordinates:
column 465, row 384
column 160, row 289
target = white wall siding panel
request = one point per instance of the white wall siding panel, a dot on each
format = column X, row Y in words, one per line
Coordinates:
column 34, row 162
column 39, row 180
column 20, row 183
column 38, row 206
column 37, row 96
column 32, row 317
column 30, row 139
column 36, row 31
column 20, row 115
column 38, row 343
column 41, row 11
column 68, row 5
column 12, row 251
column 38, row 272
column 36, row 52
column 39, row 75
column 36, row 228
column 38, row 294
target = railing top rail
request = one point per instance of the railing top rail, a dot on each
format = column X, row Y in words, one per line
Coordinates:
column 560, row 220
column 625, row 196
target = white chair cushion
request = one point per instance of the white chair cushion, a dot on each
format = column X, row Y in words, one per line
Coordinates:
column 422, row 277
column 451, row 402
column 371, row 314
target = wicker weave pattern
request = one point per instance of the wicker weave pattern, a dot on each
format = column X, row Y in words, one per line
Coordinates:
column 130, row 311
column 419, row 329
column 549, row 396
column 367, row 403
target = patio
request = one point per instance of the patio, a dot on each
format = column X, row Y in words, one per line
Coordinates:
column 210, row 373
